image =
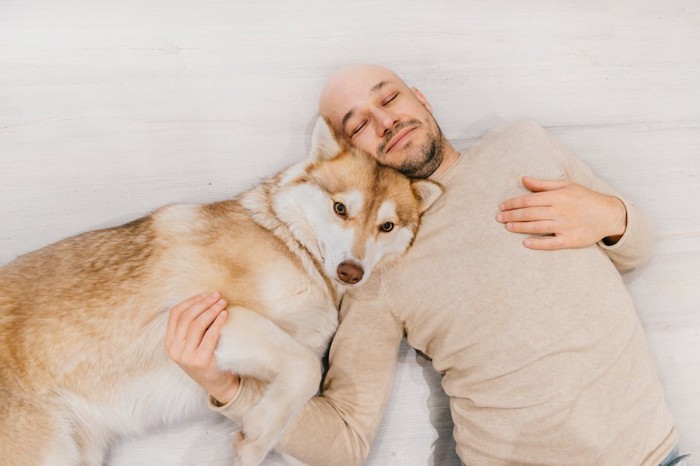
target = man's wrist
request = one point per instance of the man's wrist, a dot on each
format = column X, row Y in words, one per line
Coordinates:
column 618, row 223
column 224, row 395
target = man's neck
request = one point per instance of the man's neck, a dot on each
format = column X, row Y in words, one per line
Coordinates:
column 449, row 158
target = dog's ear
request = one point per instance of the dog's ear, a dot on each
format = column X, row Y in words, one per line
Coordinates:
column 324, row 143
column 427, row 192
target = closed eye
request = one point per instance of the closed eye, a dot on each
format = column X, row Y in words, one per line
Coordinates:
column 358, row 128
column 389, row 99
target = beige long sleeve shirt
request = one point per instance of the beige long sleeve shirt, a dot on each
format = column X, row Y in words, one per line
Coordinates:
column 542, row 353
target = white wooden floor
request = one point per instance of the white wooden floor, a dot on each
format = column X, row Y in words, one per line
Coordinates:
column 110, row 109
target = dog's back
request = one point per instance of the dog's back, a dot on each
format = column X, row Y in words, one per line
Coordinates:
column 53, row 298
column 82, row 321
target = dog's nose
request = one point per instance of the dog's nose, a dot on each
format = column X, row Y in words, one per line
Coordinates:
column 350, row 273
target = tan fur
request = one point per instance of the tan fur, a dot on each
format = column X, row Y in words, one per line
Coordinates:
column 82, row 321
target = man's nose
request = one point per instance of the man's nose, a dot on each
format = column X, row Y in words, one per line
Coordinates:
column 385, row 121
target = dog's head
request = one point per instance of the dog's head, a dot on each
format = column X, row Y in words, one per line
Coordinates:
column 349, row 211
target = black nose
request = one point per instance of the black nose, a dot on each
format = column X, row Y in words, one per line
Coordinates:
column 350, row 273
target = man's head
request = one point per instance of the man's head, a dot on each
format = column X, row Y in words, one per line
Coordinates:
column 374, row 110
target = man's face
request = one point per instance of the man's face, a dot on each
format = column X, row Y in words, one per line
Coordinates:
column 376, row 112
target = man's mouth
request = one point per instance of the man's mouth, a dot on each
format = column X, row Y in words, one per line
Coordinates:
column 401, row 136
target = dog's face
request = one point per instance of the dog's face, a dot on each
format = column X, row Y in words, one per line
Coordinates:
column 349, row 211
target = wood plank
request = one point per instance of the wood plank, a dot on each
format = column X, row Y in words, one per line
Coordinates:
column 111, row 109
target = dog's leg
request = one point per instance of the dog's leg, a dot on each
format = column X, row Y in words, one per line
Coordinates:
column 252, row 345
column 34, row 432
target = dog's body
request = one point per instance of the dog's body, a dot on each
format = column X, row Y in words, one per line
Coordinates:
column 82, row 321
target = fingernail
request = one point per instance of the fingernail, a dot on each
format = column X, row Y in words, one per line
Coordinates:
column 214, row 294
column 220, row 302
column 499, row 217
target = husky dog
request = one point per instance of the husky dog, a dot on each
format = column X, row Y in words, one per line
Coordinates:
column 82, row 321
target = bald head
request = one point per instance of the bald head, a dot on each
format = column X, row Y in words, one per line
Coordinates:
column 339, row 83
column 374, row 110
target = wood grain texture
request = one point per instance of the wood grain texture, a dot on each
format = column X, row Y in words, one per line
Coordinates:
column 111, row 109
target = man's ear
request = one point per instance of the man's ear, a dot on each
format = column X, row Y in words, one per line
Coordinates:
column 324, row 143
column 421, row 98
column 427, row 192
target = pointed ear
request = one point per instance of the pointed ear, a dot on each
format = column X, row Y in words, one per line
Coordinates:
column 324, row 143
column 427, row 192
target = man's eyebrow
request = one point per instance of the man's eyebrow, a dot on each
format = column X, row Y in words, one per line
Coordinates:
column 379, row 85
column 347, row 117
column 374, row 88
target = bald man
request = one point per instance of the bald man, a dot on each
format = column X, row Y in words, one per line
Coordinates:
column 542, row 354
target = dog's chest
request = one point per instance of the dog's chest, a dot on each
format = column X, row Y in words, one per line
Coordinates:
column 303, row 307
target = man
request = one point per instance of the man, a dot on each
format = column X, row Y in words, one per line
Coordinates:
column 543, row 356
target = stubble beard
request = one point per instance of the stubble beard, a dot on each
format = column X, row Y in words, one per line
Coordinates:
column 421, row 161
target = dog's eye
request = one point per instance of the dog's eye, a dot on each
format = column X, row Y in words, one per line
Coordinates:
column 340, row 209
column 386, row 227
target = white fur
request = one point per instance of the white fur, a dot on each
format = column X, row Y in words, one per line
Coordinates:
column 387, row 245
column 162, row 397
column 293, row 374
column 386, row 213
column 63, row 450
column 323, row 143
column 308, row 211
column 428, row 192
column 354, row 201
column 177, row 218
column 292, row 173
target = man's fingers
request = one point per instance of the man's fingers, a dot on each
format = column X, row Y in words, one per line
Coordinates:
column 186, row 304
column 545, row 243
column 543, row 227
column 182, row 307
column 184, row 315
column 212, row 334
column 198, row 327
column 542, row 199
column 527, row 214
column 174, row 316
column 539, row 197
column 538, row 185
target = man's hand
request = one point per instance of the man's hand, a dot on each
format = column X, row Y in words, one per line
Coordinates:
column 194, row 328
column 573, row 216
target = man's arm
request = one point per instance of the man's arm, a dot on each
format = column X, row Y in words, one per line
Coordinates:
column 574, row 216
column 337, row 427
column 579, row 211
column 334, row 428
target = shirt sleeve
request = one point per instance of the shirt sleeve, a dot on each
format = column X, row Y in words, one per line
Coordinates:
column 636, row 245
column 338, row 426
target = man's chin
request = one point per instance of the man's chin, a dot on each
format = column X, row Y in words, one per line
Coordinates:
column 423, row 164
